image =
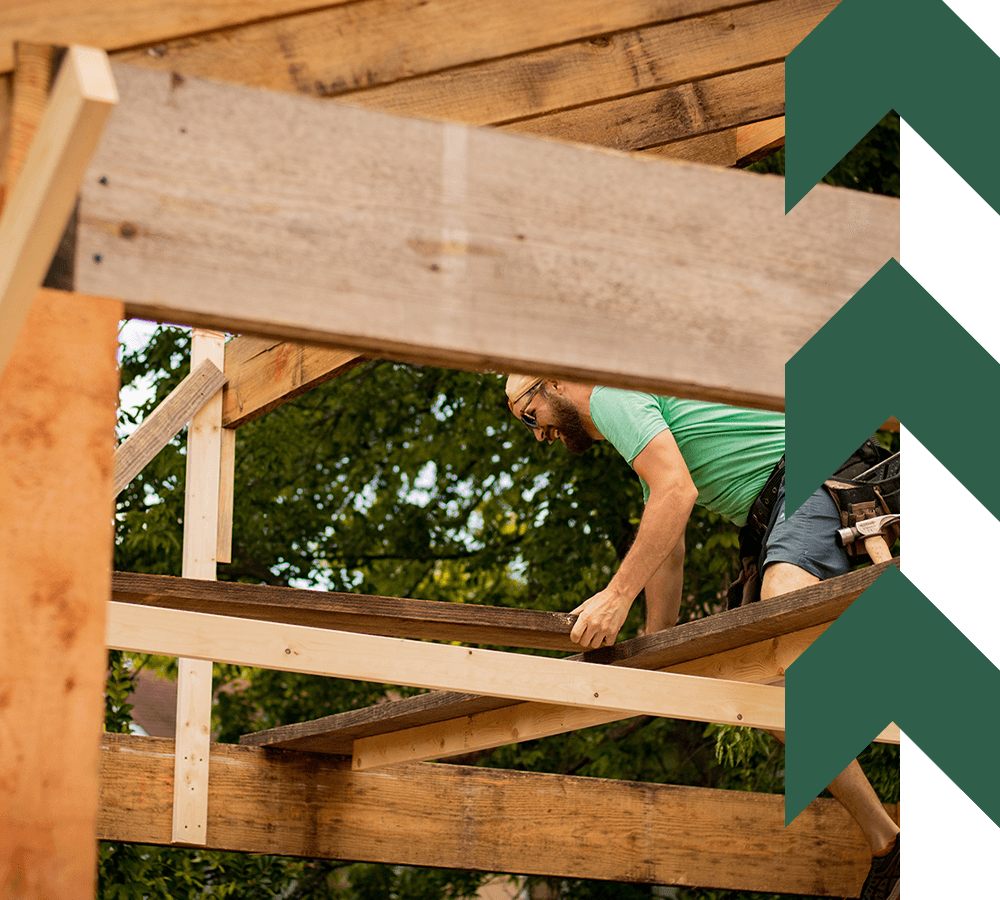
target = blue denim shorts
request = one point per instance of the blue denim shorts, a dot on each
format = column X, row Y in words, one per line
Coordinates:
column 807, row 538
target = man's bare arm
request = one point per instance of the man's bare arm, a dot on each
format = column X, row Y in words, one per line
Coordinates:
column 672, row 495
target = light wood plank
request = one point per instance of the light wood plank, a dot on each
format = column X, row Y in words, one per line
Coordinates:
column 264, row 373
column 430, row 243
column 43, row 196
column 764, row 621
column 331, row 51
column 112, row 24
column 437, row 815
column 759, row 140
column 365, row 657
column 161, row 426
column 201, row 536
column 655, row 117
column 601, row 68
column 390, row 616
column 57, row 419
column 227, row 489
column 760, row 663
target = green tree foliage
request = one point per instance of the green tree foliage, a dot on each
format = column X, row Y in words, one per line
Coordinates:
column 415, row 482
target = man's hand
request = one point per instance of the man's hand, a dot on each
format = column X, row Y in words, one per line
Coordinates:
column 600, row 619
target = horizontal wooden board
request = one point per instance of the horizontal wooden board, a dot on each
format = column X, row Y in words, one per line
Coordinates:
column 364, row 657
column 112, row 24
column 431, row 242
column 390, row 616
column 330, row 51
column 669, row 114
column 296, row 804
column 700, row 639
column 263, row 373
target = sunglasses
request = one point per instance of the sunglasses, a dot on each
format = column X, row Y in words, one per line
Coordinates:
column 529, row 420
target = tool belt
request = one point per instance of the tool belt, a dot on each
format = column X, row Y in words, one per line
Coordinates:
column 865, row 485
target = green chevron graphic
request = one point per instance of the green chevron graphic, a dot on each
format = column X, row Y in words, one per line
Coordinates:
column 891, row 350
column 869, row 56
column 891, row 657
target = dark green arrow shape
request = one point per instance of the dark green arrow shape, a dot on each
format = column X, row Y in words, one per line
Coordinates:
column 869, row 56
column 892, row 350
column 892, row 657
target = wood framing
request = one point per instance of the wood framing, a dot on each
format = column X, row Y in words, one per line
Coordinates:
column 201, row 536
column 705, row 638
column 445, row 234
column 302, row 804
column 35, row 213
column 389, row 616
column 161, row 426
column 364, row 657
column 57, row 420
column 263, row 373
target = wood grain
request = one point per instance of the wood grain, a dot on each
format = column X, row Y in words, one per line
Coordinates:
column 263, row 373
column 35, row 213
column 57, row 420
column 430, row 243
column 161, row 426
column 760, row 622
column 389, row 616
column 737, row 146
column 112, row 24
column 363, row 657
column 435, row 815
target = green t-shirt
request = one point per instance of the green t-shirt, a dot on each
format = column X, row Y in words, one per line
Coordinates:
column 729, row 451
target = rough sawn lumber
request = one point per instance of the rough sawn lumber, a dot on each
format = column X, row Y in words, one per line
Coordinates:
column 792, row 612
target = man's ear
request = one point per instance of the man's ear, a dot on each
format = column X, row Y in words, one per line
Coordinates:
column 558, row 386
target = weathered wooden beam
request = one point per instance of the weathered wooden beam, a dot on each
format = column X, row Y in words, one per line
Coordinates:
column 672, row 113
column 57, row 420
column 389, row 616
column 599, row 68
column 35, row 213
column 430, row 243
column 263, row 373
column 718, row 148
column 765, row 621
column 332, row 51
column 298, row 804
column 162, row 424
column 364, row 657
column 112, row 24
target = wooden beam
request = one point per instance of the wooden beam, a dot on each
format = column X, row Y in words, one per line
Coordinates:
column 759, row 140
column 298, row 804
column 444, row 235
column 57, row 420
column 34, row 215
column 672, row 113
column 333, row 51
column 765, row 621
column 389, row 616
column 761, row 663
column 295, row 648
column 263, row 373
column 112, row 24
column 599, row 68
column 201, row 538
column 161, row 426
column 227, row 495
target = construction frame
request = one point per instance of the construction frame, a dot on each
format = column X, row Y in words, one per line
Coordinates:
column 571, row 162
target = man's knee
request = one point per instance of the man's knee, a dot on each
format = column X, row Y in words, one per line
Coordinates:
column 781, row 577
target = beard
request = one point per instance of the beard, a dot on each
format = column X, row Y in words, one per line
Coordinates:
column 569, row 424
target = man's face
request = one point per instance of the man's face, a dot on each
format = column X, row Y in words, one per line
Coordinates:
column 557, row 419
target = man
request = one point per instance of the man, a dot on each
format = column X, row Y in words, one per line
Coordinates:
column 687, row 452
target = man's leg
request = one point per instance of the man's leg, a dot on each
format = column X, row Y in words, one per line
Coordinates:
column 850, row 787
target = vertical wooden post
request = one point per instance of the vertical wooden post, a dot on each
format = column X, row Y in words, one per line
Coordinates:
column 57, row 427
column 201, row 531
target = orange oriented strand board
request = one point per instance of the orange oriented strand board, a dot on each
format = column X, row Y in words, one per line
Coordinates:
column 57, row 415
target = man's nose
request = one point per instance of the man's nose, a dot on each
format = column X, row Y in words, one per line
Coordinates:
column 539, row 433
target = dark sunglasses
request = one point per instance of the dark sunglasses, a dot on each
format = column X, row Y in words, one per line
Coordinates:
column 529, row 420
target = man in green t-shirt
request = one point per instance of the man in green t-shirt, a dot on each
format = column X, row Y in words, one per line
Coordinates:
column 720, row 457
